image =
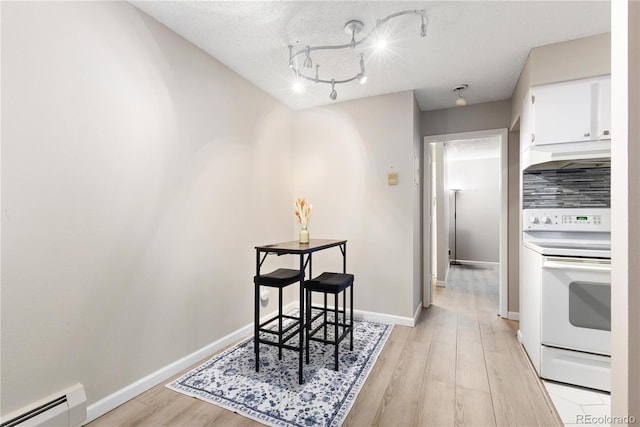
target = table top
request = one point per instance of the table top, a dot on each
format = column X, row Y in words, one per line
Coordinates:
column 295, row 247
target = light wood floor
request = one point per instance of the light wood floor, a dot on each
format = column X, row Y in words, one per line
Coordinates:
column 461, row 365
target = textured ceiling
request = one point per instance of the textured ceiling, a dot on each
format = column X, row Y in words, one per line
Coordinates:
column 483, row 44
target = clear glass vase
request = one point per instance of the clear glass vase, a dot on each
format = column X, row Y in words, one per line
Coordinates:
column 304, row 235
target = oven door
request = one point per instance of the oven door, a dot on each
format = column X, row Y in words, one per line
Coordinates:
column 576, row 304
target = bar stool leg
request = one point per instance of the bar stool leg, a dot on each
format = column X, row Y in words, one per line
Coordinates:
column 308, row 323
column 351, row 317
column 344, row 311
column 325, row 316
column 280, row 323
column 256, row 327
column 335, row 330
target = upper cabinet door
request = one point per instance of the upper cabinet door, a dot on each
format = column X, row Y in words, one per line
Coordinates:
column 573, row 111
column 563, row 113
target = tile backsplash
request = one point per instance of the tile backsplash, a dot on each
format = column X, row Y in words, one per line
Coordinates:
column 567, row 188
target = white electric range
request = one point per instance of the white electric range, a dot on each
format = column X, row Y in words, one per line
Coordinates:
column 565, row 304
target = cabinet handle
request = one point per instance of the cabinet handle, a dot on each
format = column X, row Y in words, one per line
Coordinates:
column 587, row 134
column 533, row 137
column 606, row 133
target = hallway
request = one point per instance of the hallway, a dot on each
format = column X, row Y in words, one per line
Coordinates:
column 461, row 365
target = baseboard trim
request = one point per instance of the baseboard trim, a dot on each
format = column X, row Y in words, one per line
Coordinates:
column 384, row 318
column 513, row 315
column 519, row 335
column 478, row 263
column 127, row 393
column 441, row 284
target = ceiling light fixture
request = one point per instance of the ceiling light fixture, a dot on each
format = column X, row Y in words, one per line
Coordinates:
column 461, row 101
column 352, row 28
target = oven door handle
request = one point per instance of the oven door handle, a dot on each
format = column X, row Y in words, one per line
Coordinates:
column 582, row 266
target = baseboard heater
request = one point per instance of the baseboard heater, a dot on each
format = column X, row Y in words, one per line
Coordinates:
column 66, row 408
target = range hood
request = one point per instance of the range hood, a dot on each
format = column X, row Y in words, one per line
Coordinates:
column 567, row 155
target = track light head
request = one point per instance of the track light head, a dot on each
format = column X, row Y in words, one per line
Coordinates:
column 291, row 57
column 381, row 44
column 362, row 77
column 298, row 87
column 307, row 61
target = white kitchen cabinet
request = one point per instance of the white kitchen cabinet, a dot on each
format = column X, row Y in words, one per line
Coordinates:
column 530, row 282
column 575, row 111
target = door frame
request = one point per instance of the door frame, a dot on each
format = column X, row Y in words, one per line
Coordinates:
column 503, row 133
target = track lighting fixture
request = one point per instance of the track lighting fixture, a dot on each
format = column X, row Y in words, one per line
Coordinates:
column 461, row 101
column 353, row 28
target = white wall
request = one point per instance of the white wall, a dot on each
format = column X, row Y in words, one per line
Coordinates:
column 420, row 259
column 137, row 175
column 477, row 227
column 342, row 154
column 625, row 205
column 442, row 217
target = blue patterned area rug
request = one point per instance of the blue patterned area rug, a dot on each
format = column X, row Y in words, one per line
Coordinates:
column 273, row 395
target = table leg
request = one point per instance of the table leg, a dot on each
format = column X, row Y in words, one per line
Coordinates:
column 301, row 320
column 256, row 314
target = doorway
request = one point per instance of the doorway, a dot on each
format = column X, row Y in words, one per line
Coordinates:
column 442, row 245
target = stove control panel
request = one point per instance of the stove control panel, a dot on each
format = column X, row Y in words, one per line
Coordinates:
column 582, row 219
column 578, row 219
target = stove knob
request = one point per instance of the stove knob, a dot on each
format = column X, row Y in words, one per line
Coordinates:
column 545, row 220
column 533, row 219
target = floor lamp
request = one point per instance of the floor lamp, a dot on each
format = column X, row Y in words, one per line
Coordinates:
column 455, row 228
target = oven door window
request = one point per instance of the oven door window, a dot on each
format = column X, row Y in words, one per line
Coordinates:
column 590, row 305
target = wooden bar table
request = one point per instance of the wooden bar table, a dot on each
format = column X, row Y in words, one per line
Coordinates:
column 304, row 251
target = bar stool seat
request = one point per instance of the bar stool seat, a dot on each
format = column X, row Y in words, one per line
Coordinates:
column 330, row 283
column 279, row 278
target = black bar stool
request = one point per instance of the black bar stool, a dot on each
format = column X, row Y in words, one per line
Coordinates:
column 279, row 278
column 330, row 283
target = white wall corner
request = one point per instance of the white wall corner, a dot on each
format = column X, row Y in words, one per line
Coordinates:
column 417, row 314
